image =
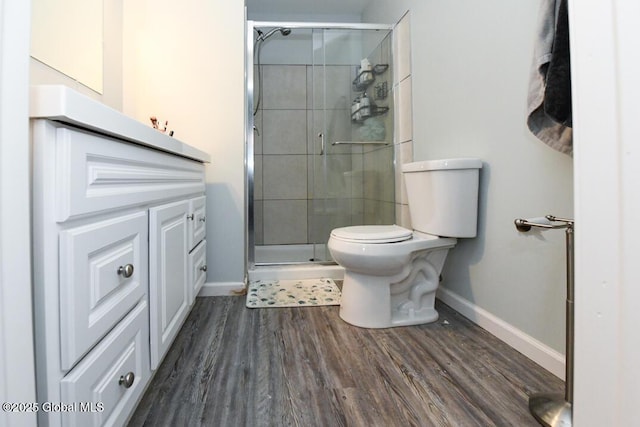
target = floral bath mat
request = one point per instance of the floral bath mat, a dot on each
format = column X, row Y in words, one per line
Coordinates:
column 292, row 293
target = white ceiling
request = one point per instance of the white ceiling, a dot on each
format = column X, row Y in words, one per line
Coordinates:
column 257, row 9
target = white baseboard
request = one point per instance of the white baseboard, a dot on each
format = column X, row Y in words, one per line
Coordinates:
column 540, row 353
column 216, row 289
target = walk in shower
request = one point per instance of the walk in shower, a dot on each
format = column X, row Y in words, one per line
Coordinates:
column 319, row 136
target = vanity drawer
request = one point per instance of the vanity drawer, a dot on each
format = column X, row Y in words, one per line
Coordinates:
column 197, row 270
column 111, row 378
column 96, row 173
column 103, row 275
column 197, row 226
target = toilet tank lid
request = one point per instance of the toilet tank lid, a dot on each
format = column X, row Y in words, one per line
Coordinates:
column 372, row 233
column 427, row 165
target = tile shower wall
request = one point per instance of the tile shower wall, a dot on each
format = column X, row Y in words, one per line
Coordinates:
column 287, row 154
column 281, row 164
column 330, row 204
column 378, row 192
column 404, row 115
column 299, row 194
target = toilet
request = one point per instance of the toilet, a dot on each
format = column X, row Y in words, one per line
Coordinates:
column 392, row 273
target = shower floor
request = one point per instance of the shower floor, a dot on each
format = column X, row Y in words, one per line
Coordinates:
column 274, row 254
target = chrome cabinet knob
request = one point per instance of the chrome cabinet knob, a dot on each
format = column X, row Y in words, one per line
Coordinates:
column 203, row 268
column 190, row 217
column 203, row 219
column 127, row 380
column 125, row 270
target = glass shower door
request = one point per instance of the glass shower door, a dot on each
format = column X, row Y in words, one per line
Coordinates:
column 351, row 143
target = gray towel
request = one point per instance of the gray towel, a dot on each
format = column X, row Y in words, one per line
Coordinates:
column 549, row 100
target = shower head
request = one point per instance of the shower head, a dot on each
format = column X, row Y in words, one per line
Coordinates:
column 284, row 31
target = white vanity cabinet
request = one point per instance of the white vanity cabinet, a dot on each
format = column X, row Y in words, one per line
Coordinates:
column 118, row 212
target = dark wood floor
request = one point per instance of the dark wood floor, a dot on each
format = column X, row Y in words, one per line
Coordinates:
column 233, row 366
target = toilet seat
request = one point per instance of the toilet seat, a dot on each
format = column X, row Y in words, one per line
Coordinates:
column 372, row 234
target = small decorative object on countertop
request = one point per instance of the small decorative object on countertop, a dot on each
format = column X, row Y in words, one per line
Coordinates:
column 156, row 125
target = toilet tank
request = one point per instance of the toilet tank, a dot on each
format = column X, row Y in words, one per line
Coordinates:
column 443, row 196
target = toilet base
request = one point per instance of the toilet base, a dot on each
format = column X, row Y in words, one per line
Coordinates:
column 367, row 304
column 415, row 318
column 365, row 301
column 404, row 299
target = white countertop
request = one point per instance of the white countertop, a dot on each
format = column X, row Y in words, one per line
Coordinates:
column 63, row 104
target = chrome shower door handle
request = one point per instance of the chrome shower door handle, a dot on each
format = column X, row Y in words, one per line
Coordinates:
column 321, row 136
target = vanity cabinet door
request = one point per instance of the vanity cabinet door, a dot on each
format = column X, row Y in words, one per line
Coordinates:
column 168, row 284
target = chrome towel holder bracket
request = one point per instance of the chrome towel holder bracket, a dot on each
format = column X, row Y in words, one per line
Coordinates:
column 525, row 225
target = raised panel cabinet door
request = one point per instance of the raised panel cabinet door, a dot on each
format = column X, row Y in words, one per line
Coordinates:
column 197, row 221
column 168, row 284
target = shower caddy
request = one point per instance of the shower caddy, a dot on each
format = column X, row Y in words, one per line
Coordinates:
column 363, row 106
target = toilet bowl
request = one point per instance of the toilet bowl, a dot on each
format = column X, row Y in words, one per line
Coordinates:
column 392, row 273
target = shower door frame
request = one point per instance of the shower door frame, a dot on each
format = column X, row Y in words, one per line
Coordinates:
column 249, row 118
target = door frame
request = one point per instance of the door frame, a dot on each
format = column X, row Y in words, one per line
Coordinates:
column 17, row 371
column 606, row 101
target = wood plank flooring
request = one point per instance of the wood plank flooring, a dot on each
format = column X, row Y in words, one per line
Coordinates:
column 233, row 366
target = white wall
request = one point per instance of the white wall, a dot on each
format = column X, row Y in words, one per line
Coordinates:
column 184, row 62
column 470, row 68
